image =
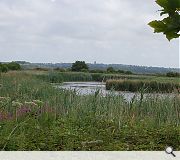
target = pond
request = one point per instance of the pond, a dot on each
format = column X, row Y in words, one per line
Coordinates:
column 86, row 88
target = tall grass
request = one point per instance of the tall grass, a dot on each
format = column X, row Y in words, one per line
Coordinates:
column 58, row 77
column 136, row 85
column 56, row 119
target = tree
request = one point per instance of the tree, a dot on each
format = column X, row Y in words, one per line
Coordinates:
column 13, row 66
column 110, row 70
column 172, row 74
column 120, row 71
column 170, row 26
column 79, row 66
column 128, row 72
column 3, row 67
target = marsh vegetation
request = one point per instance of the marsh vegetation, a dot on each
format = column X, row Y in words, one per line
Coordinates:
column 34, row 115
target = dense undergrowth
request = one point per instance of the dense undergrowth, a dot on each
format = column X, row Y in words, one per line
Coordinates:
column 36, row 116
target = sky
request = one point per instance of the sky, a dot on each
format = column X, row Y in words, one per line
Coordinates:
column 105, row 31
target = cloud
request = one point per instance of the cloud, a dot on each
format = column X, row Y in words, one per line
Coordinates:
column 109, row 31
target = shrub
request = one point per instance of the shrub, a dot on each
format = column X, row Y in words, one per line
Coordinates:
column 79, row 66
column 3, row 68
column 13, row 66
column 172, row 74
column 110, row 70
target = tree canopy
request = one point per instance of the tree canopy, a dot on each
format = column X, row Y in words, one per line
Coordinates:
column 170, row 26
column 79, row 66
column 9, row 66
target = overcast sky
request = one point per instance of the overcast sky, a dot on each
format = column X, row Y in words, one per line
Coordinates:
column 105, row 31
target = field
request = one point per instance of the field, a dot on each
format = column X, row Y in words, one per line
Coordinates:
column 36, row 116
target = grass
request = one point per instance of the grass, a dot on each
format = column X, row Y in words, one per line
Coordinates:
column 119, row 82
column 36, row 116
column 56, row 77
column 148, row 85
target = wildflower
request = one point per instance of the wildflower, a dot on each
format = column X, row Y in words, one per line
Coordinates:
column 31, row 103
column 23, row 110
column 16, row 104
column 38, row 102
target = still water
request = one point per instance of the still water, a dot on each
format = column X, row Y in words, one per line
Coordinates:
column 86, row 88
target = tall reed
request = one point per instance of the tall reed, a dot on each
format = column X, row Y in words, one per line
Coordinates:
column 58, row 119
column 136, row 85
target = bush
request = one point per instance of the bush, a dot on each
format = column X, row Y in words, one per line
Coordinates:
column 78, row 66
column 110, row 70
column 13, row 66
column 60, row 69
column 3, row 68
column 128, row 72
column 173, row 74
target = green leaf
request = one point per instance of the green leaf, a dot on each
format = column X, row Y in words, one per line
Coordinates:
column 169, row 26
column 163, row 3
column 171, row 35
column 158, row 26
column 170, row 6
column 173, row 5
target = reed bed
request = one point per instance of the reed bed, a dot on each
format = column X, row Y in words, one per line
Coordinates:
column 147, row 86
column 58, row 77
column 36, row 116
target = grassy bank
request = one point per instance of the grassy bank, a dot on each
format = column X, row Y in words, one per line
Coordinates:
column 36, row 116
column 137, row 85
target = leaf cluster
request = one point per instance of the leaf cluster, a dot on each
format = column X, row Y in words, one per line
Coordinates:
column 170, row 26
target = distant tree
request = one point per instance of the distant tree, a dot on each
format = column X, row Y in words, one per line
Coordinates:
column 79, row 66
column 97, row 71
column 13, row 66
column 110, row 70
column 121, row 71
column 3, row 67
column 170, row 26
column 172, row 74
column 128, row 72
column 60, row 69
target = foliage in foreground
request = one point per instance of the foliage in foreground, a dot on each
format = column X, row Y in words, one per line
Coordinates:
column 36, row 116
column 170, row 26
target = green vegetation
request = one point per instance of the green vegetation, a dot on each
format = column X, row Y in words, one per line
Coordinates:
column 56, row 77
column 36, row 116
column 3, row 68
column 173, row 74
column 79, row 66
column 120, row 82
column 9, row 66
column 112, row 70
column 137, row 85
column 170, row 26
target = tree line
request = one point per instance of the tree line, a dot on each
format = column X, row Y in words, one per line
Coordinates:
column 81, row 66
column 4, row 67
